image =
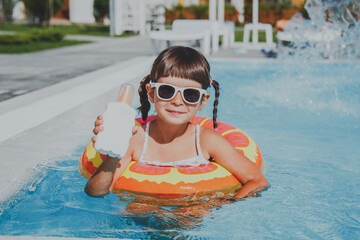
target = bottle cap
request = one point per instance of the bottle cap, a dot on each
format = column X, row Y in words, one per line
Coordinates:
column 125, row 94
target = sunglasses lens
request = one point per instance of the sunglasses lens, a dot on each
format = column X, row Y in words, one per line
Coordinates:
column 166, row 91
column 191, row 95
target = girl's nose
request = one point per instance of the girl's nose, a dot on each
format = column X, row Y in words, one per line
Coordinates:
column 177, row 100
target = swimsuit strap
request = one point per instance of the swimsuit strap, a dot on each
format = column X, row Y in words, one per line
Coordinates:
column 197, row 132
column 146, row 141
column 197, row 139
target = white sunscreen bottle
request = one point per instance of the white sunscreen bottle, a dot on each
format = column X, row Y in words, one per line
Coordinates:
column 119, row 119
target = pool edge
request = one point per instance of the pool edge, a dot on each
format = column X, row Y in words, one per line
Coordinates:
column 22, row 151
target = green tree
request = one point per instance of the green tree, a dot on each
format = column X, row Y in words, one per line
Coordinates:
column 39, row 11
column 7, row 8
column 101, row 9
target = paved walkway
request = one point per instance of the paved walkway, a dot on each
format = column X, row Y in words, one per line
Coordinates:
column 23, row 73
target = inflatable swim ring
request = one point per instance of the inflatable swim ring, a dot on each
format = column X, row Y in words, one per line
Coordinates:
column 174, row 182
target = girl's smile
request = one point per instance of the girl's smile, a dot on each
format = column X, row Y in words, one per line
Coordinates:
column 175, row 112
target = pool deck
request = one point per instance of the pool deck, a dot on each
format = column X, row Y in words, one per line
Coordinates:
column 24, row 73
column 52, row 96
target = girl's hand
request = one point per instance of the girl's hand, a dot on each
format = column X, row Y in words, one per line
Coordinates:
column 98, row 127
column 137, row 129
column 251, row 178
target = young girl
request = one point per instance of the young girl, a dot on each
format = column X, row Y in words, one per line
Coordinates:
column 177, row 87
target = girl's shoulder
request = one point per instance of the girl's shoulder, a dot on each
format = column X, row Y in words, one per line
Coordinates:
column 205, row 131
column 214, row 145
column 209, row 136
column 211, row 139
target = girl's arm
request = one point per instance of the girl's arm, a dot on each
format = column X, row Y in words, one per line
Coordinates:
column 100, row 182
column 241, row 167
column 104, row 178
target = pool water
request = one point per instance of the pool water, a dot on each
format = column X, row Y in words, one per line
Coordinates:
column 305, row 119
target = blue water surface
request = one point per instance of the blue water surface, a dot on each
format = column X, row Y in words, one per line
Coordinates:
column 305, row 119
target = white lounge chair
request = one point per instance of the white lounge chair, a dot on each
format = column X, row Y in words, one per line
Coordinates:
column 216, row 29
column 168, row 36
column 255, row 28
column 196, row 29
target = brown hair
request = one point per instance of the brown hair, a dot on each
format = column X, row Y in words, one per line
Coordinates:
column 182, row 62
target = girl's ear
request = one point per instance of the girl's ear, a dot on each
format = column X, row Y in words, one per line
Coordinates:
column 150, row 92
column 204, row 99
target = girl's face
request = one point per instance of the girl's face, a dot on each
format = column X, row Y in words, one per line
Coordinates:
column 176, row 110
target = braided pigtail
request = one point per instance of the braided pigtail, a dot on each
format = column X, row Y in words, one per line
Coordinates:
column 144, row 101
column 216, row 86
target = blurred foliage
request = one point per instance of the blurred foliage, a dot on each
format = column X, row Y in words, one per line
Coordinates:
column 179, row 7
column 7, row 10
column 200, row 11
column 40, row 11
column 35, row 35
column 16, row 39
column 230, row 8
column 101, row 9
column 239, row 36
column 94, row 30
column 286, row 5
column 47, row 35
column 276, row 6
column 76, row 29
column 271, row 12
column 37, row 46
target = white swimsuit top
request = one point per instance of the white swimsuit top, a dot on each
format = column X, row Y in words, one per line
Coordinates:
column 193, row 161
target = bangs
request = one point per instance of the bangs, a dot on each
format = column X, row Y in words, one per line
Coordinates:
column 182, row 63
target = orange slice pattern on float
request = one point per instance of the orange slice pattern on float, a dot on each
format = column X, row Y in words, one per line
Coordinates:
column 149, row 169
column 197, row 170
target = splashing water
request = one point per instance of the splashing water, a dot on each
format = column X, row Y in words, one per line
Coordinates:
column 333, row 30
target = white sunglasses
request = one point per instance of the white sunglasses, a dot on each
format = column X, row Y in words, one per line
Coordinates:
column 166, row 92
